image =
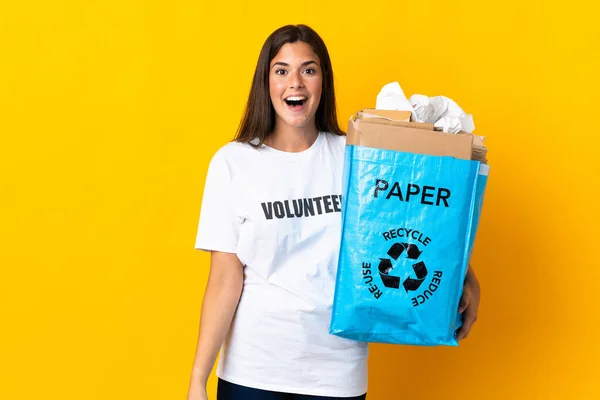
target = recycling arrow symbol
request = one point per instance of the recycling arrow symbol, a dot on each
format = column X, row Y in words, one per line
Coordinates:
column 412, row 253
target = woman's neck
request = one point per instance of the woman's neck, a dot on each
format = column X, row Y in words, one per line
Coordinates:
column 292, row 139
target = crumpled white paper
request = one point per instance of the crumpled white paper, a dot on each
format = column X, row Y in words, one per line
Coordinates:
column 391, row 97
column 442, row 111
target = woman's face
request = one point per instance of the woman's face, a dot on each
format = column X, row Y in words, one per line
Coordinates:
column 295, row 84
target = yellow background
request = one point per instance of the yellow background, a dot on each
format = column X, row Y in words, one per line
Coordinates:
column 110, row 111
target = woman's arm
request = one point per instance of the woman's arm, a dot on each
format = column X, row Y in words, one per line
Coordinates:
column 220, row 301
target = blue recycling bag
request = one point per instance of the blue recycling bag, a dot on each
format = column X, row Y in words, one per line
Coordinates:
column 408, row 228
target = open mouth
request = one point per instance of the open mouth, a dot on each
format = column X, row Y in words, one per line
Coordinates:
column 296, row 102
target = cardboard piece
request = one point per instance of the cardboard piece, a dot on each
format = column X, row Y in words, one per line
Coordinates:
column 392, row 115
column 412, row 137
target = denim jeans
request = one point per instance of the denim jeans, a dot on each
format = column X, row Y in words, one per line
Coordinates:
column 229, row 391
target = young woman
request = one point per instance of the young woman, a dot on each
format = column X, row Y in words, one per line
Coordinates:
column 273, row 264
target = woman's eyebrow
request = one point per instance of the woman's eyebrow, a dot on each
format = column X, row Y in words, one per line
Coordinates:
column 304, row 64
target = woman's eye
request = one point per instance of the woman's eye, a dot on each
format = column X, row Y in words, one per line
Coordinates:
column 280, row 72
column 310, row 71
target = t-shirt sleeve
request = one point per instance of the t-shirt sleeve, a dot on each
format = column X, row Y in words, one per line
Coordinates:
column 218, row 227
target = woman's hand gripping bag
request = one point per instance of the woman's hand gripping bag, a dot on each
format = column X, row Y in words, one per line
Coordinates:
column 408, row 227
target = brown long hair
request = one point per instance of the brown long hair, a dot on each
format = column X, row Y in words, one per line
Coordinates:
column 259, row 116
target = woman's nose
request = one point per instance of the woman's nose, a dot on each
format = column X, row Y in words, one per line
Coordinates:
column 295, row 80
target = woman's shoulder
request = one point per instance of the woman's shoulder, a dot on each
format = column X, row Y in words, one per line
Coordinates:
column 337, row 141
column 336, row 136
column 234, row 149
column 231, row 154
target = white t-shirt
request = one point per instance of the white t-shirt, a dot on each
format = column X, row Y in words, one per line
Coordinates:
column 280, row 213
